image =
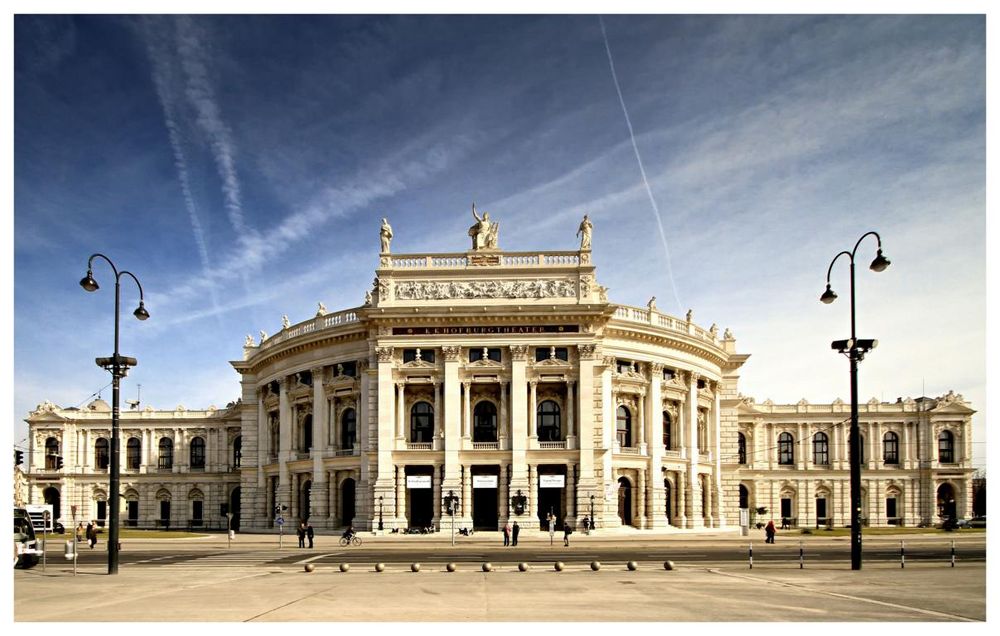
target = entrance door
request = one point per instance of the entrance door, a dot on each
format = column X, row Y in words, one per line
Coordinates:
column 821, row 510
column 347, row 502
column 132, row 511
column 234, row 507
column 102, row 512
column 53, row 498
column 625, row 501
column 165, row 514
column 550, row 501
column 484, row 509
column 420, row 507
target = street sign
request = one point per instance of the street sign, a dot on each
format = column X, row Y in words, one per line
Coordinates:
column 280, row 521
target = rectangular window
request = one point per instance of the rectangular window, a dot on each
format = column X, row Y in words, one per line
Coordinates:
column 557, row 353
column 890, row 508
column 479, row 353
column 669, row 374
column 821, row 510
column 409, row 355
column 623, row 366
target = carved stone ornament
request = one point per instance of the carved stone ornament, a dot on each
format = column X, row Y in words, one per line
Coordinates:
column 656, row 368
column 585, row 285
column 451, row 353
column 384, row 354
column 383, row 291
column 519, row 352
column 470, row 290
column 249, row 341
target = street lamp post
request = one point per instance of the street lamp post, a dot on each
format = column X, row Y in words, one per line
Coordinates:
column 451, row 502
column 118, row 365
column 855, row 350
column 592, row 524
column 380, row 526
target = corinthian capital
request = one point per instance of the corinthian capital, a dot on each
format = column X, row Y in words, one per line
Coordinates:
column 384, row 354
column 451, row 353
column 519, row 352
column 587, row 351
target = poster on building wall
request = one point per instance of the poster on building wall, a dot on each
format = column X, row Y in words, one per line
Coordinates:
column 418, row 481
column 484, row 481
column 551, row 481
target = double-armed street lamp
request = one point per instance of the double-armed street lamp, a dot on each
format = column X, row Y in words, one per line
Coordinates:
column 118, row 365
column 855, row 350
column 380, row 526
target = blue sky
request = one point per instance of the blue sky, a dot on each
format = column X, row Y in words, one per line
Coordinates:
column 239, row 166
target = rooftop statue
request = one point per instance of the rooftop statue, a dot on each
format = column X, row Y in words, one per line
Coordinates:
column 484, row 232
column 386, row 235
column 586, row 228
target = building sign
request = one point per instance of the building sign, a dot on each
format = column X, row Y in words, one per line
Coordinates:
column 483, row 329
column 551, row 481
column 418, row 481
column 484, row 481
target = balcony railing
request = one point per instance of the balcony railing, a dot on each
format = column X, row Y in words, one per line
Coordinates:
column 552, row 445
column 485, row 445
column 418, row 445
column 628, row 450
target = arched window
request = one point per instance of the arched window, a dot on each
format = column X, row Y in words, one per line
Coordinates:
column 421, row 422
column 275, row 436
column 890, row 448
column 348, row 429
column 166, row 453
column 549, row 422
column 741, row 449
column 133, row 453
column 623, row 427
column 666, row 431
column 946, row 447
column 101, row 453
column 51, row 452
column 484, row 427
column 197, row 452
column 786, row 449
column 821, row 449
column 237, row 451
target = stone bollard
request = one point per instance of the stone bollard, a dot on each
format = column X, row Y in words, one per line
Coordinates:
column 522, row 566
column 595, row 565
column 632, row 566
column 559, row 566
column 668, row 565
column 414, row 567
column 487, row 567
column 344, row 567
column 310, row 567
column 450, row 567
column 380, row 567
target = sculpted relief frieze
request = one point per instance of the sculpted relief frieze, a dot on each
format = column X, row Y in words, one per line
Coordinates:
column 460, row 289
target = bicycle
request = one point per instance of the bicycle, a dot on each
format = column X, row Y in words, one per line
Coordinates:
column 355, row 540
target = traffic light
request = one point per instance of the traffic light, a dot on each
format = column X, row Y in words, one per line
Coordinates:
column 18, row 457
column 59, row 462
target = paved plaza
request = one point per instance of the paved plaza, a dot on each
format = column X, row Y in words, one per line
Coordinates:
column 239, row 590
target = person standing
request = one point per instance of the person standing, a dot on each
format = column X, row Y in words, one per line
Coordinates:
column 92, row 534
column 310, row 534
column 79, row 533
column 514, row 531
column 769, row 532
column 566, row 532
column 302, row 534
column 506, row 534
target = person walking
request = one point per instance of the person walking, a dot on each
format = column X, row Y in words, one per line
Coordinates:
column 79, row 533
column 586, row 525
column 302, row 534
column 566, row 532
column 310, row 534
column 506, row 534
column 769, row 532
column 514, row 531
column 92, row 534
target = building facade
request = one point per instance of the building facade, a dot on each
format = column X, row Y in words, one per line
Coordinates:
column 507, row 385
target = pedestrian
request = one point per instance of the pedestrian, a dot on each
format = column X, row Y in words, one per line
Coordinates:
column 506, row 534
column 769, row 532
column 79, row 533
column 566, row 532
column 514, row 531
column 586, row 525
column 784, row 523
column 302, row 534
column 92, row 534
column 310, row 534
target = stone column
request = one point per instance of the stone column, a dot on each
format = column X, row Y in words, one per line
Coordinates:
column 657, row 517
column 452, row 417
column 532, row 508
column 466, row 505
column 716, row 430
column 518, row 417
column 570, row 412
column 643, row 513
column 318, row 494
column 694, row 502
column 680, row 493
column 386, row 418
column 436, row 479
column 503, row 495
column 504, row 434
column 569, row 495
column 467, row 410
column 641, row 416
column 533, row 410
column 586, row 483
column 438, row 431
column 401, row 411
column 400, row 512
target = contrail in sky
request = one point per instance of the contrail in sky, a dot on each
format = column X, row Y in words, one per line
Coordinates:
column 642, row 170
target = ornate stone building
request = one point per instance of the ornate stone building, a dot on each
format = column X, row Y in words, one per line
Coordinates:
column 509, row 381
